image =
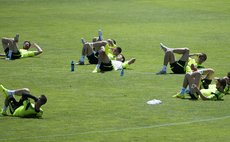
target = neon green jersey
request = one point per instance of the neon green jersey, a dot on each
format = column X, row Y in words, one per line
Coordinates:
column 212, row 94
column 227, row 89
column 26, row 53
column 189, row 63
column 27, row 110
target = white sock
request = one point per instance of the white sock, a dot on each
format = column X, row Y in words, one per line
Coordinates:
column 82, row 59
column 182, row 91
column 11, row 92
column 10, row 54
column 100, row 35
column 164, row 68
column 4, row 108
column 187, row 91
column 98, row 66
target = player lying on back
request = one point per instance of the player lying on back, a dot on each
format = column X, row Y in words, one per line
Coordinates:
column 191, row 86
column 12, row 51
column 23, row 107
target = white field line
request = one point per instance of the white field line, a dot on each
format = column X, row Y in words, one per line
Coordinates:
column 117, row 130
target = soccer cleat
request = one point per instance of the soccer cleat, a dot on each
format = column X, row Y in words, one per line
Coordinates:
column 80, row 63
column 83, row 41
column 178, row 95
column 96, row 70
column 4, row 91
column 16, row 38
column 100, row 35
column 4, row 113
column 161, row 72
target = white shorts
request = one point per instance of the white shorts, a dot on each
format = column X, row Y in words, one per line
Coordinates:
column 117, row 65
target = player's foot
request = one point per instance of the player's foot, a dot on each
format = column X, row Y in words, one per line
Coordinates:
column 131, row 61
column 178, row 95
column 4, row 113
column 96, row 70
column 100, row 35
column 80, row 63
column 161, row 72
column 4, row 91
column 16, row 38
column 83, row 41
column 163, row 47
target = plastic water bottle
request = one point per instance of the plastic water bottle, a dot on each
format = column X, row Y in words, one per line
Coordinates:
column 72, row 66
column 122, row 72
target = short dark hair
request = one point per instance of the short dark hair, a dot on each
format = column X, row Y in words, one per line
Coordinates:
column 204, row 56
column 228, row 75
column 119, row 50
column 43, row 99
column 28, row 42
column 222, row 82
column 114, row 42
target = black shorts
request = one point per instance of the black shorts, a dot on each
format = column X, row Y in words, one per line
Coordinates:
column 193, row 96
column 14, row 55
column 93, row 58
column 13, row 104
column 178, row 67
column 106, row 66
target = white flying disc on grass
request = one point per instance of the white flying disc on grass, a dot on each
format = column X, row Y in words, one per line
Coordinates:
column 154, row 102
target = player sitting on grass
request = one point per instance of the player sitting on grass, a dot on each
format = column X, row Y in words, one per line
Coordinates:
column 13, row 52
column 192, row 82
column 23, row 107
column 90, row 50
column 183, row 65
column 106, row 63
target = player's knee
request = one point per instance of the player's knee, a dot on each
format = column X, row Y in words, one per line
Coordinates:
column 168, row 53
column 26, row 89
column 186, row 50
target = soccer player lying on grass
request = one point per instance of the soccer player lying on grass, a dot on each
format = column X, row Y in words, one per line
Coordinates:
column 107, row 64
column 227, row 87
column 90, row 50
column 23, row 107
column 183, row 65
column 13, row 52
column 206, row 78
column 192, row 81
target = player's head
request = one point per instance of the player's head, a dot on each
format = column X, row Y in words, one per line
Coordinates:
column 202, row 58
column 114, row 41
column 123, row 58
column 111, row 42
column 227, row 78
column 26, row 45
column 41, row 101
column 220, row 84
column 117, row 50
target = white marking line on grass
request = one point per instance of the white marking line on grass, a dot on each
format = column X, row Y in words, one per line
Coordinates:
column 119, row 130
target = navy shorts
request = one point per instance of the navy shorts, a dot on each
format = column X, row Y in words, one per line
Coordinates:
column 14, row 55
column 178, row 67
column 93, row 58
column 106, row 66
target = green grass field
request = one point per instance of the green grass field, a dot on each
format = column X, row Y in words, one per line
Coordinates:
column 105, row 107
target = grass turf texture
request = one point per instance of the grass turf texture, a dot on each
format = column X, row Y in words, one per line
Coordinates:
column 106, row 107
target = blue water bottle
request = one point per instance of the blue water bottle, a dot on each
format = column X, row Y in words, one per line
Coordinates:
column 72, row 66
column 122, row 72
